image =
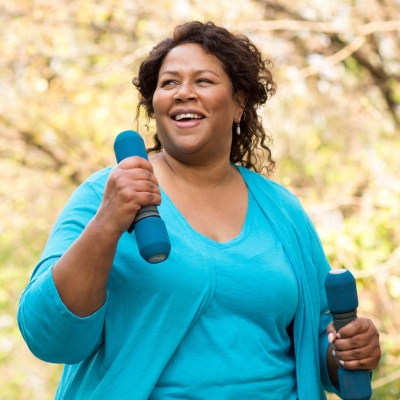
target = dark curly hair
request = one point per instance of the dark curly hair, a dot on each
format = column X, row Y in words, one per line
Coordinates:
column 248, row 72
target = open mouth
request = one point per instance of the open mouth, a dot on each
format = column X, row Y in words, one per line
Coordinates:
column 187, row 117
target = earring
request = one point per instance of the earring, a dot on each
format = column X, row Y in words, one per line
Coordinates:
column 238, row 128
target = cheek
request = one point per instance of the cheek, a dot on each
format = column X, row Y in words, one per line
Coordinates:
column 154, row 103
column 223, row 101
column 158, row 102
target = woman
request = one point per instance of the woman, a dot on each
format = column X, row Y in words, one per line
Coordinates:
column 238, row 310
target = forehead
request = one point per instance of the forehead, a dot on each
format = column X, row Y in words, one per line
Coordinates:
column 190, row 56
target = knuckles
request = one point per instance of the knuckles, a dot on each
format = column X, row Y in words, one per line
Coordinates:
column 120, row 178
column 151, row 186
column 356, row 354
column 117, row 178
column 358, row 324
column 133, row 162
column 354, row 341
column 361, row 365
column 118, row 181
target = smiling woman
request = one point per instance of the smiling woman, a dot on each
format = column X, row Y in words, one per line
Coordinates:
column 248, row 74
column 194, row 106
column 238, row 310
column 199, row 87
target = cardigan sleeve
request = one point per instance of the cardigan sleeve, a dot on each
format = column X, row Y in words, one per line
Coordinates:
column 301, row 241
column 51, row 331
column 319, row 269
column 322, row 269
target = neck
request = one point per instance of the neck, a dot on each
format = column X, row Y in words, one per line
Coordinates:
column 195, row 177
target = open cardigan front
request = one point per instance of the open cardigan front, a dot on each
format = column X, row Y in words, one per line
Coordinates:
column 121, row 350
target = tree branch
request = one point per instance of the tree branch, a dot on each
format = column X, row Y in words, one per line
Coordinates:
column 327, row 27
column 29, row 140
column 386, row 379
column 335, row 58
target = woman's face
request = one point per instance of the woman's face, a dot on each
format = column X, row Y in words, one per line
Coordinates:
column 194, row 106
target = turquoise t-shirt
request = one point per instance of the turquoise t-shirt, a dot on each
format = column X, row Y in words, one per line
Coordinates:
column 128, row 347
column 240, row 347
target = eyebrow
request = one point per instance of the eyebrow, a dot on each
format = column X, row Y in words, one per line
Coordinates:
column 198, row 72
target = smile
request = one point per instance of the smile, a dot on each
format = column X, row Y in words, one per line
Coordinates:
column 187, row 116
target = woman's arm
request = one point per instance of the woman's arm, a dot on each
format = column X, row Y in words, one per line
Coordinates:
column 356, row 346
column 61, row 312
column 81, row 274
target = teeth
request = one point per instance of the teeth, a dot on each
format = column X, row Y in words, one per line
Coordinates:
column 189, row 115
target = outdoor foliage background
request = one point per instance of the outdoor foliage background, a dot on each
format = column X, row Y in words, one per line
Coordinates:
column 66, row 92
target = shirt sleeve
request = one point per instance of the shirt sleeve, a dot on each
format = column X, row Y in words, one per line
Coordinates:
column 51, row 331
column 322, row 269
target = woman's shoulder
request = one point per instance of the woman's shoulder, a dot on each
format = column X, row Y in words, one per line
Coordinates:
column 97, row 180
column 278, row 192
column 100, row 177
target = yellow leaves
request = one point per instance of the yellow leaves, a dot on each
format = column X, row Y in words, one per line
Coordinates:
column 4, row 296
column 394, row 85
column 387, row 198
column 101, row 113
column 41, row 85
column 83, row 98
column 84, row 12
column 141, row 26
column 393, row 285
column 313, row 143
column 101, row 13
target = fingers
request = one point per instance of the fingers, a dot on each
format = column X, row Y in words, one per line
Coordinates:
column 130, row 186
column 369, row 358
column 136, row 162
column 357, row 326
column 332, row 333
column 356, row 345
column 134, row 177
column 133, row 183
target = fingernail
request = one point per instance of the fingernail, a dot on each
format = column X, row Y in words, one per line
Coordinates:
column 338, row 335
column 330, row 337
column 341, row 362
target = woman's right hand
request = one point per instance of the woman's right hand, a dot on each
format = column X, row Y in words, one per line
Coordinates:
column 130, row 186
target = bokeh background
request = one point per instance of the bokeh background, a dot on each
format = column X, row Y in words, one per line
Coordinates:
column 65, row 82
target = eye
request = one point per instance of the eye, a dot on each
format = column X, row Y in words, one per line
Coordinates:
column 204, row 81
column 169, row 83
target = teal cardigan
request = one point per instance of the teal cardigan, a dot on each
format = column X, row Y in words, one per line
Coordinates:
column 304, row 250
column 120, row 351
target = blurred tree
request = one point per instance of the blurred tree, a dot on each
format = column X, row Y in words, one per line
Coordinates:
column 335, row 120
column 65, row 80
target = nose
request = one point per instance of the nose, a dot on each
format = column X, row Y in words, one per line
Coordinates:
column 185, row 92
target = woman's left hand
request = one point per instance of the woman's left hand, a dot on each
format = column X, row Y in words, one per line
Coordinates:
column 356, row 345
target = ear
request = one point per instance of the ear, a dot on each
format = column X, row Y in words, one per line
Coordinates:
column 241, row 103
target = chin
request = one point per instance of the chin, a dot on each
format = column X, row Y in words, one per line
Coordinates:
column 184, row 145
